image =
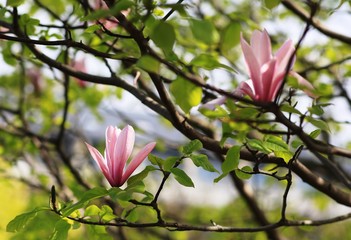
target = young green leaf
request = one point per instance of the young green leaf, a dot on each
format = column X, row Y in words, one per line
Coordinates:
column 201, row 160
column 20, row 221
column 192, row 146
column 204, row 31
column 186, row 94
column 285, row 155
column 140, row 176
column 14, row 3
column 270, row 4
column 61, row 230
column 231, row 161
column 315, row 133
column 182, row 177
column 244, row 173
column 148, row 63
column 230, row 37
column 169, row 163
column 318, row 123
column 258, row 145
column 209, row 62
column 89, row 195
column 163, row 36
column 155, row 160
column 290, row 109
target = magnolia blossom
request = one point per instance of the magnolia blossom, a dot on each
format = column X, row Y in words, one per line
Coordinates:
column 119, row 146
column 266, row 70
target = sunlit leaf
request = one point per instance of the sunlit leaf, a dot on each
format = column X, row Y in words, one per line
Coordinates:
column 86, row 198
column 204, row 31
column 315, row 133
column 192, row 146
column 201, row 160
column 14, row 3
column 270, row 4
column 169, row 163
column 164, row 36
column 208, row 62
column 182, row 177
column 244, row 173
column 285, row 155
column 20, row 221
column 231, row 159
column 230, row 163
column 290, row 109
column 148, row 63
column 140, row 176
column 230, row 37
column 186, row 94
column 61, row 230
column 318, row 123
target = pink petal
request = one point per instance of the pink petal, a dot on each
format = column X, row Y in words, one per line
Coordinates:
column 253, row 66
column 101, row 162
column 283, row 56
column 213, row 103
column 268, row 71
column 111, row 140
column 247, row 88
column 307, row 86
column 261, row 46
column 123, row 149
column 137, row 160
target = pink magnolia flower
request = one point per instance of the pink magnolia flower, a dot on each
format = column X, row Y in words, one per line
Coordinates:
column 119, row 146
column 266, row 70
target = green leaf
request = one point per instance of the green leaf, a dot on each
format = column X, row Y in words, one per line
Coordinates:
column 96, row 14
column 192, row 146
column 169, row 163
column 275, row 143
column 318, row 123
column 201, row 160
column 140, row 176
column 286, row 155
column 91, row 194
column 164, row 36
column 92, row 28
column 208, row 62
column 148, row 63
column 61, row 230
column 243, row 173
column 155, row 160
column 186, row 94
column 92, row 210
column 315, row 133
column 290, row 109
column 270, row 4
column 20, row 221
column 107, row 213
column 182, row 177
column 231, row 159
column 204, row 31
column 14, row 3
column 121, row 5
column 230, row 163
column 316, row 109
column 230, row 37
column 258, row 145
